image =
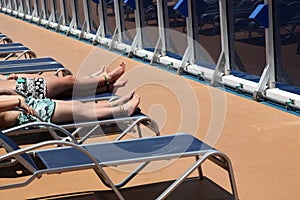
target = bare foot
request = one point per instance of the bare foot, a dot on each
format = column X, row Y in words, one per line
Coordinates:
column 123, row 99
column 105, row 71
column 116, row 73
column 113, row 87
column 131, row 105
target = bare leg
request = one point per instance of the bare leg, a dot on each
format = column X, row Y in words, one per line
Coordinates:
column 119, row 102
column 68, row 85
column 86, row 86
column 123, row 100
column 103, row 70
column 106, row 104
column 67, row 111
column 102, row 79
column 57, row 86
column 112, row 88
column 111, row 76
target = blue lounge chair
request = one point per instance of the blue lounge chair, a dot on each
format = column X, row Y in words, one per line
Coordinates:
column 40, row 65
column 84, row 130
column 17, row 50
column 5, row 39
column 34, row 162
column 34, row 65
column 47, row 64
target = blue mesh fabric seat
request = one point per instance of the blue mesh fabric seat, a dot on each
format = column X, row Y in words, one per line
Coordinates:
column 18, row 50
column 5, row 39
column 34, row 65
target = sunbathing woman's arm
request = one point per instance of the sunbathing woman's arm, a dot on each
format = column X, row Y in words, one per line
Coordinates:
column 4, row 91
column 8, row 105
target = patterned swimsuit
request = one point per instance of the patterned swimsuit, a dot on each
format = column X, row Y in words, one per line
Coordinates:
column 34, row 90
column 31, row 87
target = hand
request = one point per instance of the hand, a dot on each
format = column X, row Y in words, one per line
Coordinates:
column 12, row 77
column 27, row 108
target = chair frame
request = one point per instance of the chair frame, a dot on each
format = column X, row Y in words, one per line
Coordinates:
column 200, row 151
column 132, row 124
column 4, row 39
column 34, row 65
column 11, row 49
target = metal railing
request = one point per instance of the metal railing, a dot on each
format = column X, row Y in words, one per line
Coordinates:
column 74, row 21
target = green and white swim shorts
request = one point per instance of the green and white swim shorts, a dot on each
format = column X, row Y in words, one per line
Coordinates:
column 43, row 107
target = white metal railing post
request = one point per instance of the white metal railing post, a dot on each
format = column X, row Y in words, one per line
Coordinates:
column 52, row 10
column 42, row 14
column 86, row 16
column 9, row 6
column 161, row 45
column 15, row 5
column 74, row 15
column 102, row 16
column 35, row 10
column 52, row 15
column 190, row 31
column 270, row 44
column 85, row 28
column 43, row 6
column 63, row 12
column 21, row 8
column 223, row 65
column 27, row 9
column 267, row 79
column 189, row 55
column 117, row 35
column 3, row 5
column 137, row 43
column 73, row 23
column 61, row 20
column 139, row 23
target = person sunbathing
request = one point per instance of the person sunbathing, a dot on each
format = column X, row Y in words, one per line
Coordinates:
column 59, row 111
column 49, row 86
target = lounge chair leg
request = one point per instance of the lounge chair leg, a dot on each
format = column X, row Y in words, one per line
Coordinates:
column 139, row 130
column 232, row 180
column 198, row 163
column 175, row 184
column 200, row 172
column 104, row 177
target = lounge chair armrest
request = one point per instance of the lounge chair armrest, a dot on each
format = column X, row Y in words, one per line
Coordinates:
column 30, row 149
column 49, row 126
column 30, row 53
